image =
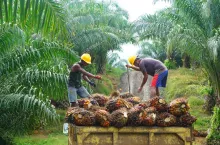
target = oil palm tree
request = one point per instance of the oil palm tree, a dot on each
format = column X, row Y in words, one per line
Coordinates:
column 97, row 27
column 196, row 32
column 30, row 76
column 33, row 69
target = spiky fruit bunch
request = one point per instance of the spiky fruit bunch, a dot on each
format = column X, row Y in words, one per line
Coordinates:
column 119, row 117
column 81, row 102
column 166, row 119
column 84, row 118
column 187, row 120
column 101, row 99
column 179, row 107
column 114, row 94
column 134, row 100
column 102, row 118
column 151, row 114
column 126, row 95
column 69, row 117
column 136, row 116
column 159, row 103
column 95, row 108
column 87, row 103
column 117, row 103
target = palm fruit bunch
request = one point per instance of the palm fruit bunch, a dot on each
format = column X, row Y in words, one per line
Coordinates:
column 114, row 94
column 81, row 102
column 151, row 115
column 87, row 103
column 134, row 100
column 102, row 118
column 101, row 99
column 94, row 108
column 115, row 104
column 70, row 113
column 187, row 120
column 165, row 119
column 159, row 103
column 179, row 107
column 126, row 95
column 84, row 118
column 119, row 117
column 136, row 115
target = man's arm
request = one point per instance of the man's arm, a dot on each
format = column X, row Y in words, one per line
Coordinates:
column 143, row 81
column 133, row 67
column 86, row 78
column 84, row 72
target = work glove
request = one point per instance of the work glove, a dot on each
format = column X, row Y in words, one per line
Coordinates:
column 92, row 83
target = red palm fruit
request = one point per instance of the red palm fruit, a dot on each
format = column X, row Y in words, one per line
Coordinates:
column 179, row 107
column 165, row 119
column 102, row 118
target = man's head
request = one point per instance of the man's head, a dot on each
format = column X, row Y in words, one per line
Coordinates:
column 134, row 60
column 86, row 59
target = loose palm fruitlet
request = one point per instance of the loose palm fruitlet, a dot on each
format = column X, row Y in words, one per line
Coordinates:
column 134, row 100
column 84, row 118
column 187, row 120
column 102, row 118
column 159, row 103
column 117, row 103
column 179, row 107
column 119, row 118
column 101, row 99
column 151, row 114
column 136, row 115
column 165, row 119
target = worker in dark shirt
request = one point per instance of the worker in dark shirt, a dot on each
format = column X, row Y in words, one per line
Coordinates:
column 74, row 83
column 153, row 67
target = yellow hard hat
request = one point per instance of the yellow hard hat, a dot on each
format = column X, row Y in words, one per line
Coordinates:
column 131, row 59
column 86, row 57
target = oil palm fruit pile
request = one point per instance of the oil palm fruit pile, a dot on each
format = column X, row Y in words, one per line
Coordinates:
column 101, row 99
column 87, row 103
column 136, row 115
column 179, row 107
column 165, row 119
column 159, row 103
column 117, row 103
column 134, row 100
column 126, row 95
column 102, row 118
column 121, row 111
column 84, row 118
column 187, row 120
column 119, row 118
column 150, row 118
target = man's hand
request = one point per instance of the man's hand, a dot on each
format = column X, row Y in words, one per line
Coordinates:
column 140, row 89
column 92, row 83
column 128, row 66
column 98, row 77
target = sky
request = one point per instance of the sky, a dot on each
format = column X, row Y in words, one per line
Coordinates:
column 135, row 9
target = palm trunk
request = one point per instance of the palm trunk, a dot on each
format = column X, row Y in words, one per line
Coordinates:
column 186, row 61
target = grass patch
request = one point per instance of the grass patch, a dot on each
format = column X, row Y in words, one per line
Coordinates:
column 51, row 139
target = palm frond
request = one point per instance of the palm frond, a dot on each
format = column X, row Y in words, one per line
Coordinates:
column 50, row 83
column 10, row 36
column 32, row 56
column 40, row 15
column 19, row 113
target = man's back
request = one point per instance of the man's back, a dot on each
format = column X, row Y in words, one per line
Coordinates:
column 152, row 66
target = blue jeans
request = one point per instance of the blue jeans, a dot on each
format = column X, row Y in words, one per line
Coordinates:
column 73, row 92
